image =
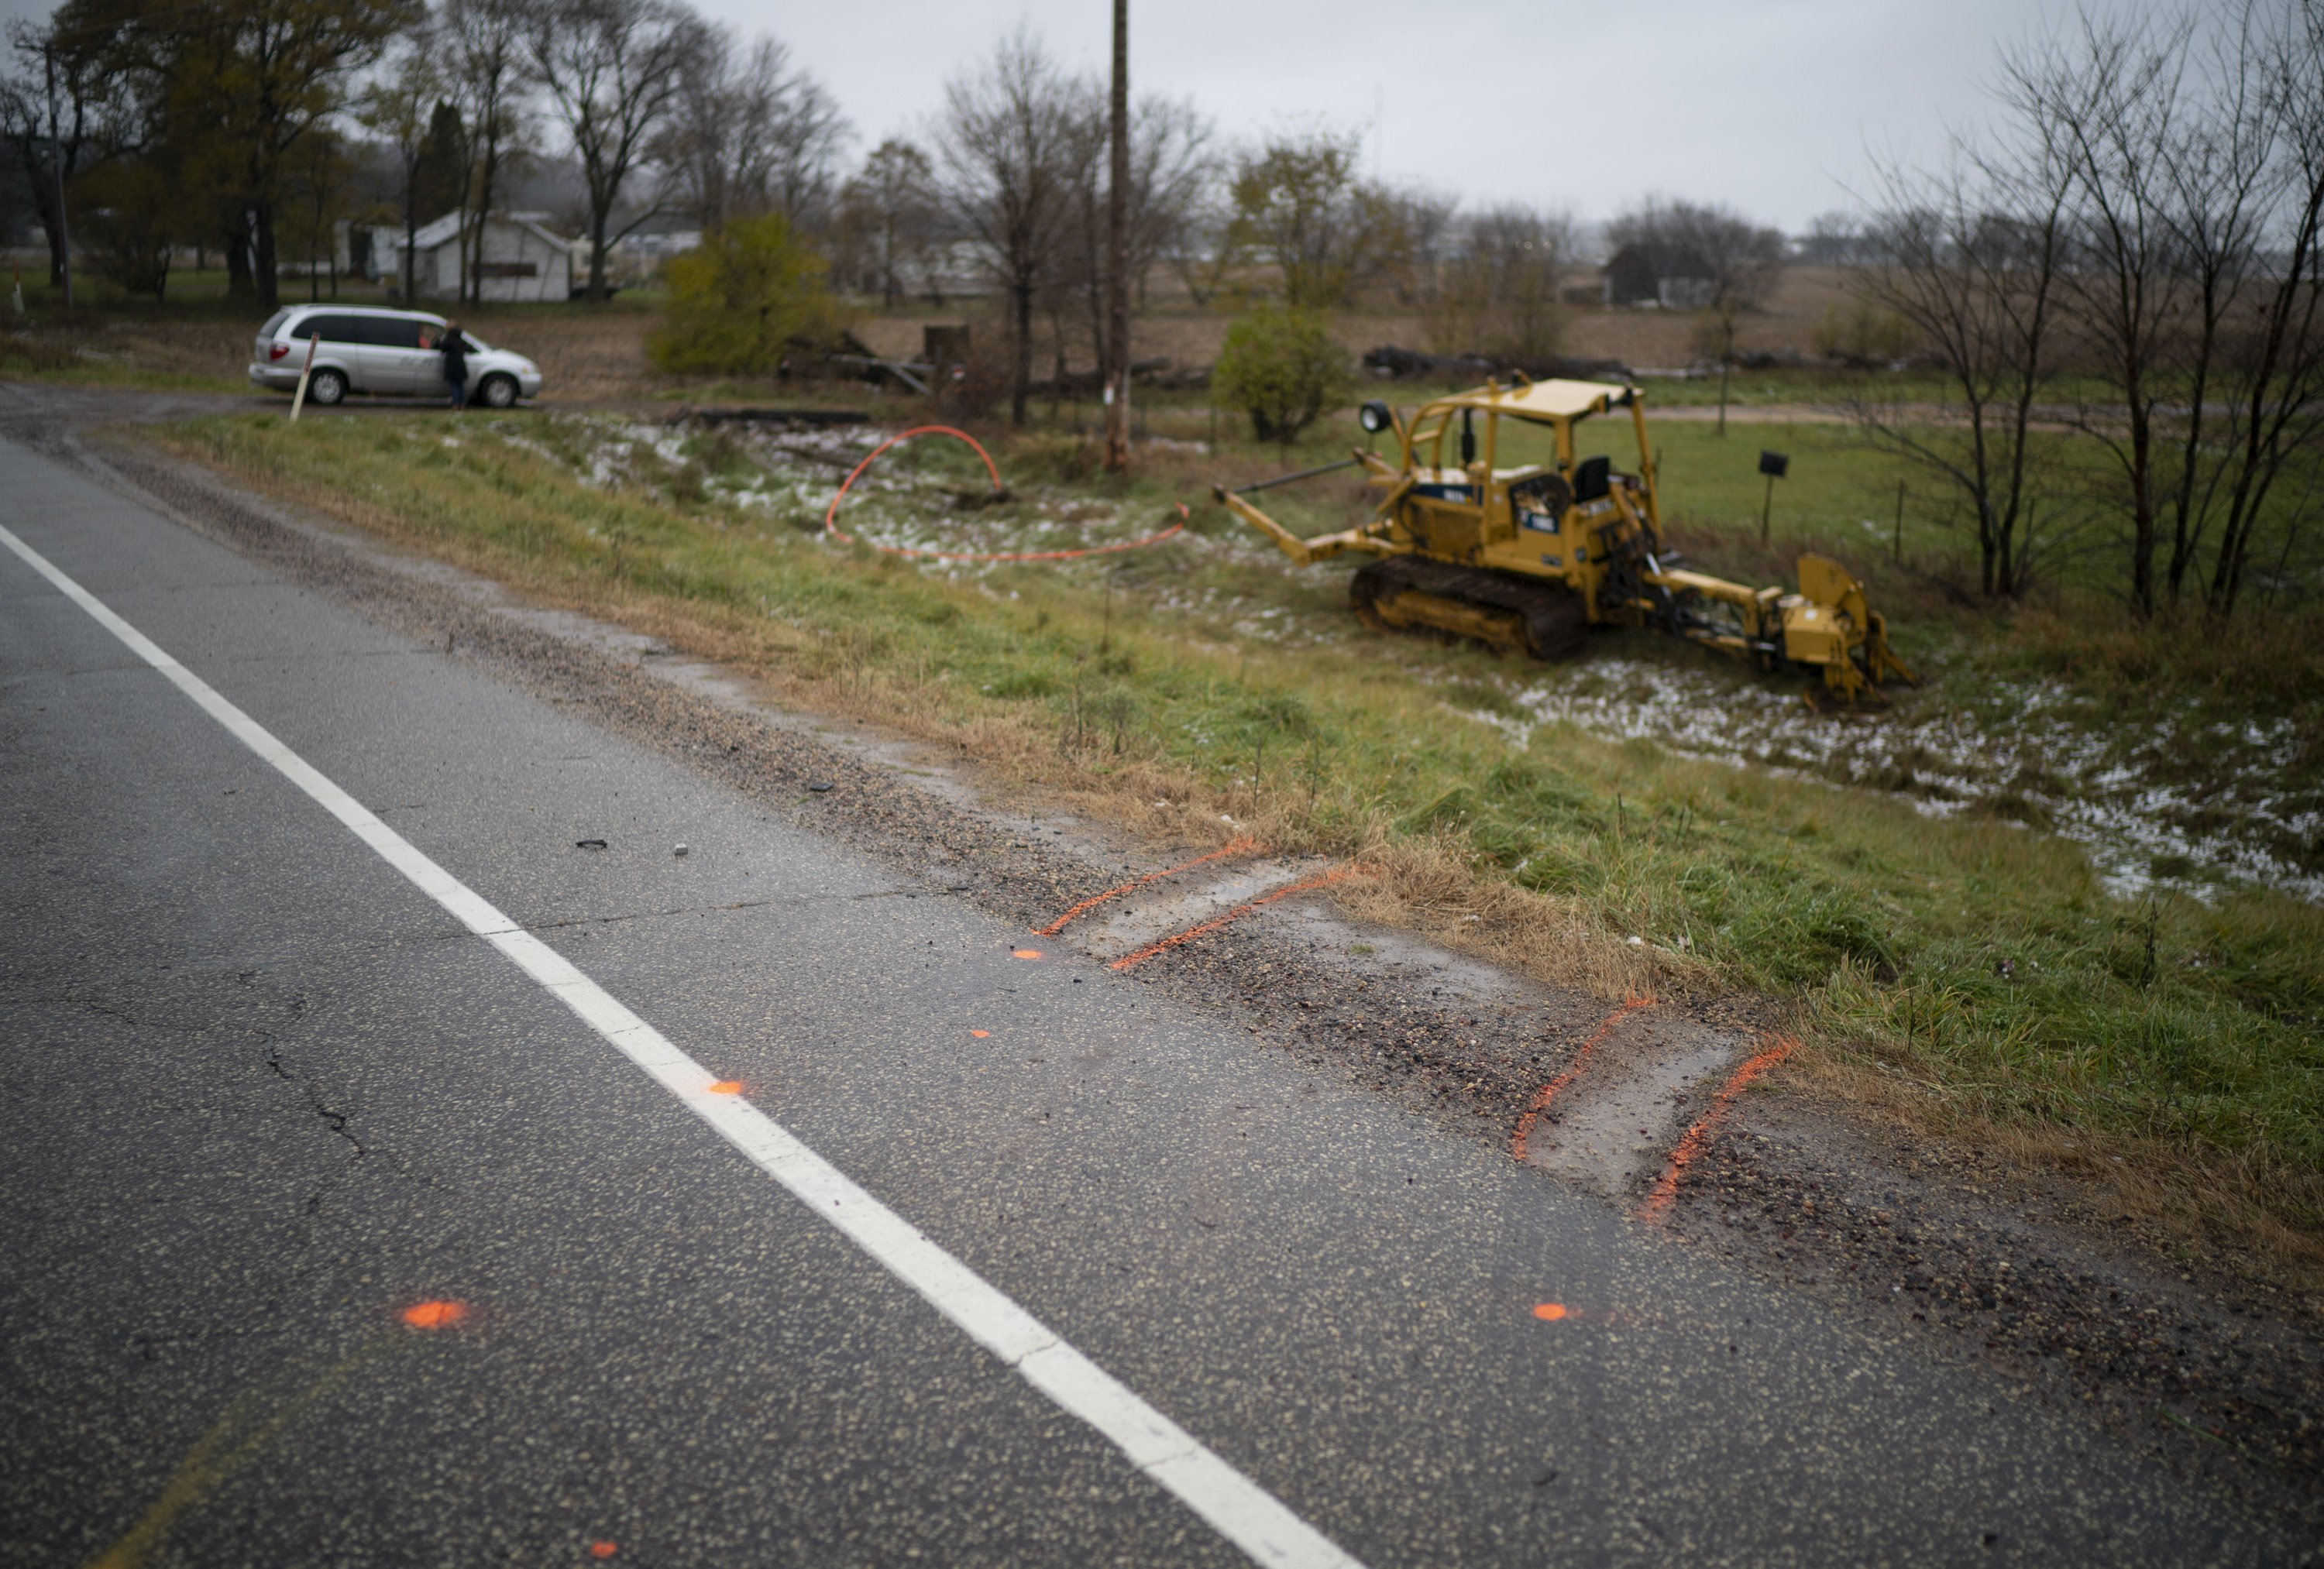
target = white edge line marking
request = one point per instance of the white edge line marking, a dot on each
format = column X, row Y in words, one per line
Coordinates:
column 1233, row 1505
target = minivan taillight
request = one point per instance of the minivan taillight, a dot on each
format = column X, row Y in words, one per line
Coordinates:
column 276, row 350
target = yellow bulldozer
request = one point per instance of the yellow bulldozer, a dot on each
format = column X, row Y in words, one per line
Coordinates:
column 1490, row 527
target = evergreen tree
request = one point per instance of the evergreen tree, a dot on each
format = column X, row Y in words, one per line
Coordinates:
column 441, row 182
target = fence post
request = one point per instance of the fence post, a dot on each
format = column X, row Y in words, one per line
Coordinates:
column 298, row 399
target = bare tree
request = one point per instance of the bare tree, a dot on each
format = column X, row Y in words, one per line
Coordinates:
column 1173, row 168
column 1740, row 261
column 708, row 157
column 804, row 132
column 1003, row 141
column 1297, row 203
column 1170, row 167
column 1427, row 230
column 399, row 109
column 484, row 49
column 2278, row 356
column 1970, row 258
column 888, row 217
column 1496, row 292
column 2107, row 100
column 1198, row 252
column 51, row 103
column 1075, row 285
column 2191, row 283
column 612, row 70
column 1834, row 239
column 749, row 133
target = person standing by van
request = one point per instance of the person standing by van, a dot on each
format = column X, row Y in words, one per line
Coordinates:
column 454, row 347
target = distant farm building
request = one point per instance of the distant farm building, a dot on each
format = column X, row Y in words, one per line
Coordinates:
column 520, row 259
column 1651, row 274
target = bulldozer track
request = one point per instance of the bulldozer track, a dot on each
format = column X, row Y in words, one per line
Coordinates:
column 1547, row 619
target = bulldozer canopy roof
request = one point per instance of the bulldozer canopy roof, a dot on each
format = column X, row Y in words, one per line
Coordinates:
column 1551, row 400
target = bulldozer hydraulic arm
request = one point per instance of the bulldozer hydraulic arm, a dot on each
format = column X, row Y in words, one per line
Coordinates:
column 1323, row 546
column 1306, row 552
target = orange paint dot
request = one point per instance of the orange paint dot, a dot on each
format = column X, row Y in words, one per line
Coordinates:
column 981, row 1034
column 435, row 1315
column 727, row 1087
column 1552, row 1311
column 1028, row 953
column 604, row 1549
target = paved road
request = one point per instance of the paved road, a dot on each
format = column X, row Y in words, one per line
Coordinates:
column 260, row 1094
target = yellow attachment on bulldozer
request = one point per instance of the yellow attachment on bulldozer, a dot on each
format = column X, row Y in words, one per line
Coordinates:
column 1490, row 525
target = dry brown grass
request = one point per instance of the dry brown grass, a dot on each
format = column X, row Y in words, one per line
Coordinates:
column 2219, row 1209
column 1190, row 336
column 596, row 356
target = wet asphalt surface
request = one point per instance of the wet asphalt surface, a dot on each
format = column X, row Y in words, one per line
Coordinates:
column 257, row 1094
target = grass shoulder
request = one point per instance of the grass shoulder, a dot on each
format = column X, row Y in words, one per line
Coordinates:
column 1982, row 966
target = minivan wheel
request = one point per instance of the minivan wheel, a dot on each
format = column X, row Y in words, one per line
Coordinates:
column 327, row 387
column 498, row 392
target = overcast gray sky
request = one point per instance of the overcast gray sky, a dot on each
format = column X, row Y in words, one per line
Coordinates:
column 1767, row 104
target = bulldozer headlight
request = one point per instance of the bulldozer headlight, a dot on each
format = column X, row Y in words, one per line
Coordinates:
column 1375, row 418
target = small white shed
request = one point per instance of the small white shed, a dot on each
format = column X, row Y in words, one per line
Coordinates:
column 520, row 260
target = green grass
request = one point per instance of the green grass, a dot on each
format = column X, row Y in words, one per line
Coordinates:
column 1981, row 960
column 51, row 359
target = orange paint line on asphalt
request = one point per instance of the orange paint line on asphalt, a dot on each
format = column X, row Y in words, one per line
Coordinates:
column 1556, row 1087
column 1665, row 1190
column 1239, row 911
column 1235, row 847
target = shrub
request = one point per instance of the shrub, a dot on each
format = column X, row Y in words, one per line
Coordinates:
column 1862, row 334
column 127, row 209
column 1280, row 366
column 748, row 295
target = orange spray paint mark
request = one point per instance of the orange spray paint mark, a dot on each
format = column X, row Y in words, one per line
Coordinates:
column 727, row 1087
column 1237, row 847
column 981, row 1034
column 604, row 1549
column 1556, row 1087
column 1028, row 953
column 1551, row 1311
column 1666, row 1189
column 1239, row 911
column 435, row 1315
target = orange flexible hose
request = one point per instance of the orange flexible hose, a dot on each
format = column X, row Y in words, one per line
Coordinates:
column 831, row 517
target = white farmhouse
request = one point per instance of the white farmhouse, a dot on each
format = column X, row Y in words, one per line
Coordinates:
column 521, row 259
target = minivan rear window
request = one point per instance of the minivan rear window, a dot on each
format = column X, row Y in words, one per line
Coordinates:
column 274, row 324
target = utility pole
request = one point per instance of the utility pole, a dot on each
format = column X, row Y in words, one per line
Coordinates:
column 1117, row 256
column 56, row 161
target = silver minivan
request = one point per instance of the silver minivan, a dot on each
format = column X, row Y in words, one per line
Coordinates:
column 369, row 349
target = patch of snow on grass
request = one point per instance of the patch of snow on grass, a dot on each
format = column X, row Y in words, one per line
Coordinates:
column 2032, row 760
